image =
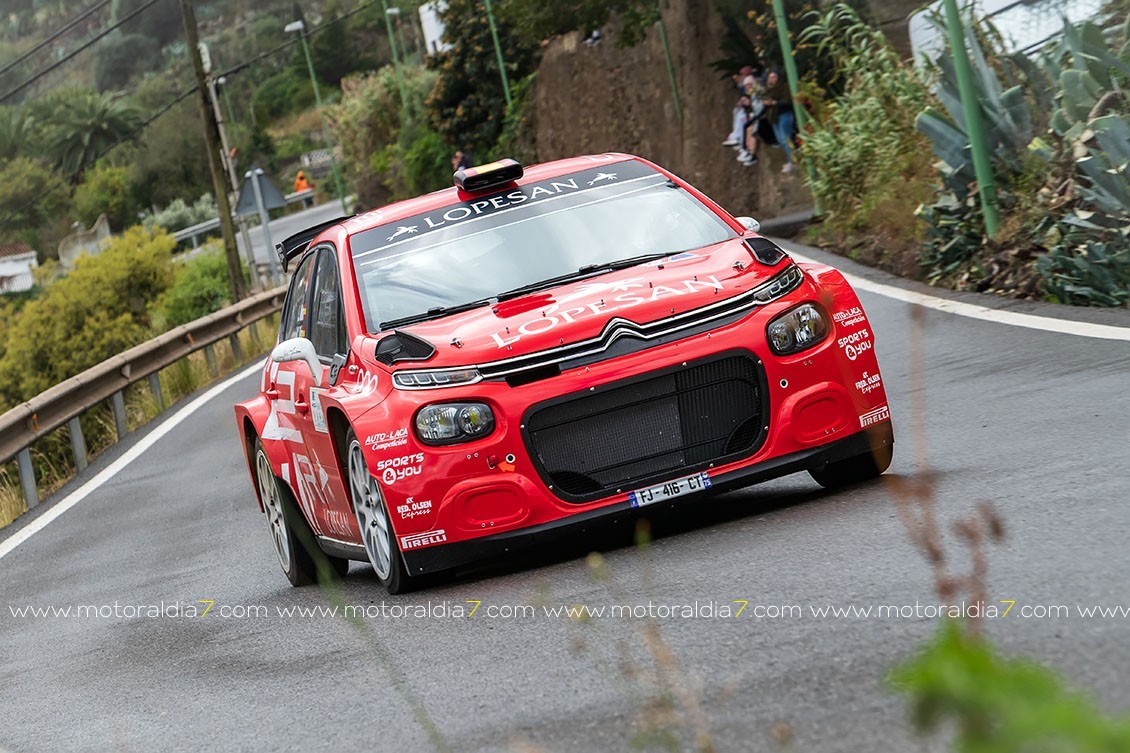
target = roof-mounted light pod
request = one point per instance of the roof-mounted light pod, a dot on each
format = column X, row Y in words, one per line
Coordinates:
column 482, row 177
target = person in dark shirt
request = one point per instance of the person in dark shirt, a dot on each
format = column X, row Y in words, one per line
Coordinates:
column 779, row 110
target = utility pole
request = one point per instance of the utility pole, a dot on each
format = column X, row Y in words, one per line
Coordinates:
column 211, row 140
column 229, row 165
column 971, row 107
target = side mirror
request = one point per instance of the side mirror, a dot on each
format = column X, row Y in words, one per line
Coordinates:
column 299, row 349
column 750, row 223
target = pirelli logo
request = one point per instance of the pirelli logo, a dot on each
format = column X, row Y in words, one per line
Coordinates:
column 417, row 540
column 882, row 413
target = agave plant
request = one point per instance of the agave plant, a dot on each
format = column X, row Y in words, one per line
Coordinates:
column 1081, row 87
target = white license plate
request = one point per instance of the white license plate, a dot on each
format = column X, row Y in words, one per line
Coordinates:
column 669, row 490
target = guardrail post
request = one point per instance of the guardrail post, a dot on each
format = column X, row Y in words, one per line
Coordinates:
column 78, row 442
column 155, row 388
column 118, row 406
column 27, row 478
column 236, row 347
column 256, row 343
column 210, row 357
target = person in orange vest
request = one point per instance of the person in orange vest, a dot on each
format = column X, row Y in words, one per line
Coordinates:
column 300, row 182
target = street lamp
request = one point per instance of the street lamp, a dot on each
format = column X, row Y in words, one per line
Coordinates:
column 395, row 13
column 300, row 27
column 396, row 63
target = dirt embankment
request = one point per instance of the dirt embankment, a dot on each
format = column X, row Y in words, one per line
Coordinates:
column 604, row 99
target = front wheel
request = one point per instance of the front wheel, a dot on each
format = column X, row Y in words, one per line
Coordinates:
column 299, row 554
column 855, row 469
column 373, row 521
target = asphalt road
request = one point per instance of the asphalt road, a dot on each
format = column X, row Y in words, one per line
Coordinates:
column 1034, row 423
column 285, row 226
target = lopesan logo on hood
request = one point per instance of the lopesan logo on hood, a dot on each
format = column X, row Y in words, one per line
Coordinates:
column 621, row 295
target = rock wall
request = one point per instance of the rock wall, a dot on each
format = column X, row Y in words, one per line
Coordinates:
column 604, row 99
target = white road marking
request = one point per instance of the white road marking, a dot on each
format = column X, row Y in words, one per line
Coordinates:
column 127, row 457
column 973, row 311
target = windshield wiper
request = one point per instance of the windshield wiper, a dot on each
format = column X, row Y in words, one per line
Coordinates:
column 589, row 270
column 432, row 313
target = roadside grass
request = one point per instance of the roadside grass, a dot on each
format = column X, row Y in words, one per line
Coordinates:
column 51, row 454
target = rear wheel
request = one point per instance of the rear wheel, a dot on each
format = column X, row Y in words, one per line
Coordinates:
column 855, row 469
column 299, row 554
column 373, row 520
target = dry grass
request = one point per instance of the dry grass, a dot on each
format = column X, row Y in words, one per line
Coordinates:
column 51, row 455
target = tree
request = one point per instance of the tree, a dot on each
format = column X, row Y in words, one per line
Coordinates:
column 122, row 57
column 166, row 164
column 80, row 125
column 17, row 133
column 330, row 49
column 105, row 190
column 467, row 105
column 31, row 194
column 161, row 23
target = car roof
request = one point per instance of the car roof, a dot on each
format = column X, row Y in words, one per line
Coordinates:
column 448, row 196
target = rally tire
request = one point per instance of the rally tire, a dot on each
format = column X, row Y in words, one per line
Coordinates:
column 299, row 555
column 854, row 470
column 374, row 521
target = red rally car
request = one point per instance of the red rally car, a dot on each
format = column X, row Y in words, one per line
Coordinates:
column 513, row 358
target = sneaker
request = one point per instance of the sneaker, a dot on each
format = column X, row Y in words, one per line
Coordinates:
column 788, row 168
column 731, row 142
column 750, row 161
column 743, row 155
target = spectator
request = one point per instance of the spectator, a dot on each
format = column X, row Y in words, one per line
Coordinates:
column 779, row 111
column 460, row 161
column 751, row 91
column 300, row 182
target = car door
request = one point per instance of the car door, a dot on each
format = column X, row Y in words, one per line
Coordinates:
column 319, row 481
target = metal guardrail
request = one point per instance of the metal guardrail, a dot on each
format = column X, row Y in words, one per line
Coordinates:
column 66, row 401
column 195, row 231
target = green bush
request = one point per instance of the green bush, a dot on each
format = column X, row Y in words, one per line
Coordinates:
column 179, row 214
column 385, row 158
column 870, row 165
column 282, row 94
column 200, row 288
column 98, row 310
column 106, row 190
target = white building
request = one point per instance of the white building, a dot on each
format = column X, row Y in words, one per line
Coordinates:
column 17, row 260
column 432, row 26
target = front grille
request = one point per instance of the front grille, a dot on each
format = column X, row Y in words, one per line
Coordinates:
column 595, row 443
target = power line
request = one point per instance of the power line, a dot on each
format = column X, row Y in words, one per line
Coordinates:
column 77, row 50
column 309, row 32
column 61, row 181
column 60, row 32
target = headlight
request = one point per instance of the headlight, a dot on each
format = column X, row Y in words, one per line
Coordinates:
column 425, row 380
column 449, row 423
column 796, row 330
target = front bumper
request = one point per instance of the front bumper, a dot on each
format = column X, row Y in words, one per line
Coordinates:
column 449, row 556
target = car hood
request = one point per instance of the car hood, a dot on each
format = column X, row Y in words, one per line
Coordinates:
column 580, row 310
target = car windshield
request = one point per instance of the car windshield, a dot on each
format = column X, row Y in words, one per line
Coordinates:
column 517, row 237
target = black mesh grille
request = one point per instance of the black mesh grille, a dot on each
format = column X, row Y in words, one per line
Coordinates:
column 593, row 444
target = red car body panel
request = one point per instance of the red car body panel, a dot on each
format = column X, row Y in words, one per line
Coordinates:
column 441, row 496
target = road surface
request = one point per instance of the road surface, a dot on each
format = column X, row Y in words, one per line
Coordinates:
column 1033, row 422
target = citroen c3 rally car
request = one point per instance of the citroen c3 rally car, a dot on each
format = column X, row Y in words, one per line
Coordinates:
column 528, row 351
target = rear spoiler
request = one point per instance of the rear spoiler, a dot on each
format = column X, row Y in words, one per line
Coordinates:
column 293, row 246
